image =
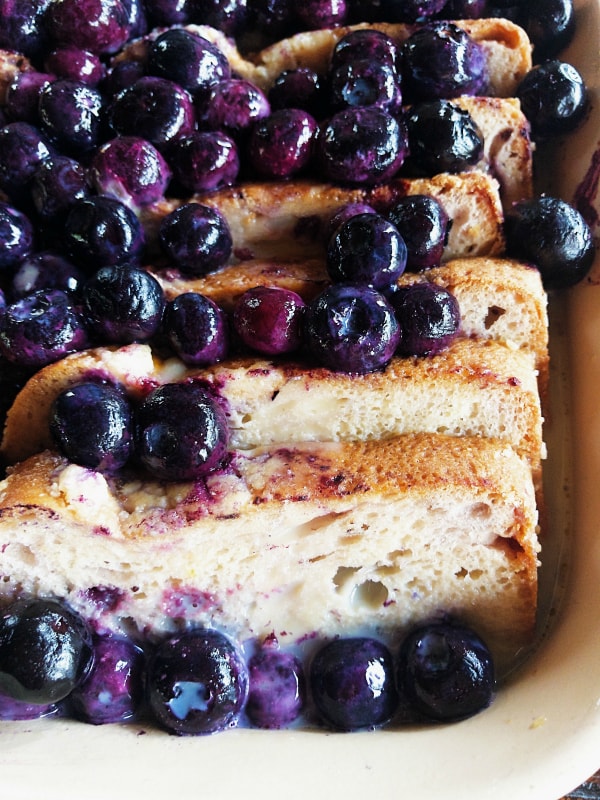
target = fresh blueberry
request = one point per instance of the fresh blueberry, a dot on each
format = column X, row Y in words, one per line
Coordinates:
column 282, row 144
column 56, row 185
column 16, row 236
column 270, row 320
column 91, row 425
column 188, row 60
column 197, row 683
column 424, row 225
column 446, row 671
column 352, row 329
column 429, row 317
column 101, row 26
column 196, row 238
column 22, row 149
column 442, row 137
column 196, row 329
column 554, row 98
column 45, row 651
column 45, row 270
column 277, row 689
column 181, row 432
column 204, row 160
column 352, row 684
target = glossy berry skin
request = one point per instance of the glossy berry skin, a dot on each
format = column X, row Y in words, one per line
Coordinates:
column 70, row 115
column 163, row 13
column 352, row 684
column 91, row 425
column 277, row 689
column 228, row 16
column 233, row 105
column 75, row 64
column 550, row 25
column 298, row 88
column 366, row 249
column 442, row 138
column 364, row 83
column 554, row 98
column 188, row 60
column 196, row 238
column 181, row 432
column 464, row 9
column 58, row 183
column 113, row 690
column 22, row 149
column 130, row 169
column 441, row 60
column 23, row 27
column 282, row 144
column 16, row 236
column 552, row 235
column 203, row 161
column 22, row 96
column 424, row 225
column 446, row 671
column 345, row 213
column 197, row 683
column 102, row 231
column 45, row 651
column 123, row 304
column 101, row 26
column 362, row 146
column 429, row 317
column 410, row 10
column 315, row 14
column 41, row 328
column 269, row 320
column 45, row 270
column 351, row 329
column 196, row 329
column 365, row 45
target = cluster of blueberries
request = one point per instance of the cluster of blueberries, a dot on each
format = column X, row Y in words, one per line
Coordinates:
column 202, row 682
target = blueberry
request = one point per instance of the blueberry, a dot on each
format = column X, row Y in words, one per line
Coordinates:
column 315, row 14
column 70, row 115
column 91, row 425
column 101, row 26
column 22, row 149
column 164, row 13
column 424, row 225
column 181, row 432
column 440, row 60
column 298, row 88
column 23, row 94
column 344, row 213
column 121, row 76
column 429, row 317
column 275, row 19
column 277, row 689
column 45, row 651
column 102, row 231
column 410, row 10
column 351, row 329
column 554, row 98
column 550, row 25
column 282, row 144
column 123, row 304
column 113, row 690
column 442, row 137
column 23, row 27
column 76, row 65
column 364, row 83
column 229, row 16
column 465, row 9
column 16, row 236
column 204, row 160
column 362, row 146
column 446, row 671
column 41, row 328
column 197, row 683
column 366, row 44
column 352, row 684
column 269, row 320
column 196, row 329
column 233, row 105
column 554, row 236
column 56, row 185
column 188, row 60
column 367, row 249
column 45, row 270
column 196, row 238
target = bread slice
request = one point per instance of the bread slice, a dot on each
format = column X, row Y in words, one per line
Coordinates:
column 299, row 542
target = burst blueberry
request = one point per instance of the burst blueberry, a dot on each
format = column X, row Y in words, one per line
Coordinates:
column 277, row 689
column 282, row 144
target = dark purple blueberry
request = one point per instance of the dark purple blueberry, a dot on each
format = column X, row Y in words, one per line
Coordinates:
column 196, row 329
column 23, row 96
column 270, row 320
column 102, row 231
column 22, row 149
column 17, row 236
column 277, row 689
column 204, row 160
column 130, row 169
column 163, row 13
column 363, row 146
column 442, row 137
column 23, row 26
column 229, row 16
column 233, row 105
column 366, row 249
column 45, row 270
column 550, row 25
column 365, row 44
column 554, row 98
column 429, row 317
column 76, row 65
column 344, row 214
column 137, row 19
column 552, row 235
column 196, row 238
column 274, row 19
column 197, row 683
column 282, row 144
column 181, row 432
column 424, row 225
column 90, row 424
column 113, row 690
column 441, row 60
column 58, row 183
column 41, row 328
column 352, row 329
column 71, row 115
column 464, row 9
column 121, row 76
column 364, row 83
column 410, row 10
column 101, row 26
column 188, row 60
column 446, row 671
column 298, row 88
column 316, row 14
column 12, row 710
column 123, row 304
column 153, row 108
column 352, row 684
column 45, row 651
